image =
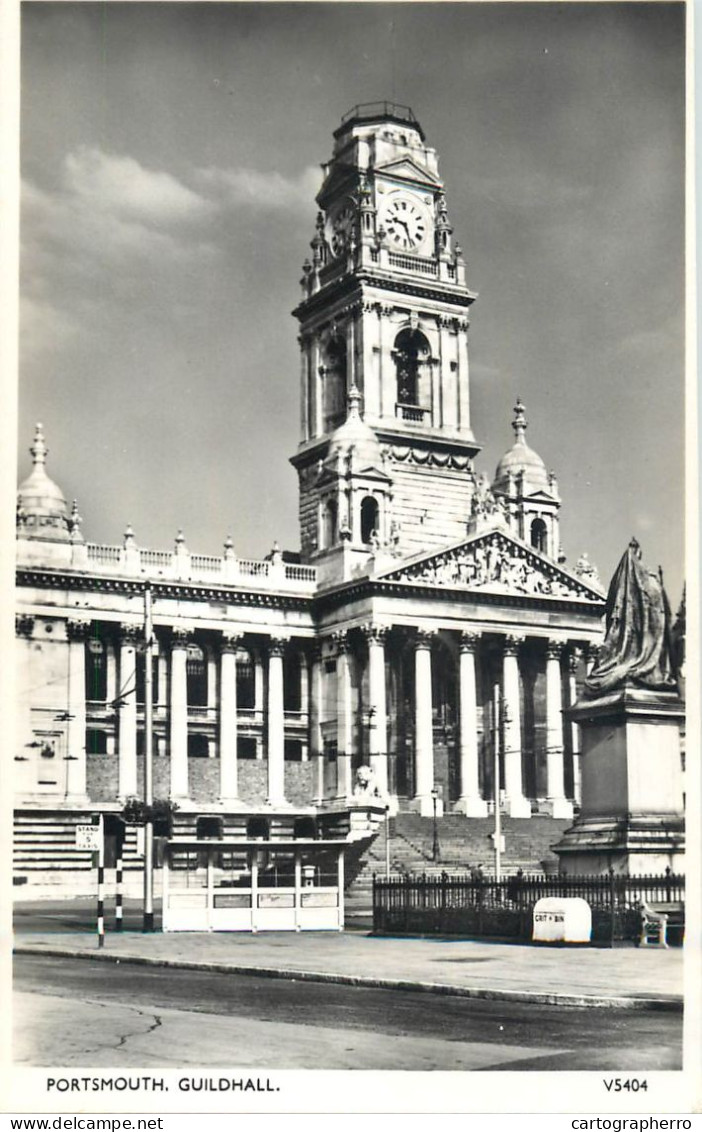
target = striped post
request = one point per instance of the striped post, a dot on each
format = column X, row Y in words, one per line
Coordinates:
column 101, row 885
column 118, row 890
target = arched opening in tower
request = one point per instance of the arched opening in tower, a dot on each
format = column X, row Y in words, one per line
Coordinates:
column 370, row 518
column 335, row 383
column 411, row 354
column 539, row 535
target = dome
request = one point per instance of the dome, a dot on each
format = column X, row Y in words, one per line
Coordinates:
column 41, row 505
column 355, row 434
column 521, row 458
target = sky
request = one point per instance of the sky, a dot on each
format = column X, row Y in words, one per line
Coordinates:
column 170, row 157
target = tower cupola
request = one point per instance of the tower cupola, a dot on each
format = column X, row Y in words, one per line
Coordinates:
column 42, row 511
column 529, row 491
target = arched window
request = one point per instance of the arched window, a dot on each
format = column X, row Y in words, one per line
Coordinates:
column 370, row 518
column 329, row 524
column 245, row 680
column 196, row 675
column 335, row 383
column 539, row 535
column 410, row 352
column 96, row 669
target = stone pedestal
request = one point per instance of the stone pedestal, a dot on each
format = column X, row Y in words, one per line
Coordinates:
column 632, row 800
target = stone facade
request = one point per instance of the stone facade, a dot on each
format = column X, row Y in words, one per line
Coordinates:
column 428, row 618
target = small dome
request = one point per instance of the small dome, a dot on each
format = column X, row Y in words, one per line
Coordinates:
column 41, row 506
column 355, row 434
column 522, row 458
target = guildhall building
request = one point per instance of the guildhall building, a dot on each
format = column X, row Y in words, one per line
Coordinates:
column 427, row 629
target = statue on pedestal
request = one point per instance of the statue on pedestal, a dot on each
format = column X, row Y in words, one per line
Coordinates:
column 637, row 650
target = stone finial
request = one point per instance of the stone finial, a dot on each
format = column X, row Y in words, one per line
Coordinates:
column 229, row 548
column 38, row 449
column 519, row 424
column 180, row 547
column 74, row 523
column 128, row 539
column 353, row 402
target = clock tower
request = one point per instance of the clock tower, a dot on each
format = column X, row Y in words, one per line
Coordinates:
column 384, row 343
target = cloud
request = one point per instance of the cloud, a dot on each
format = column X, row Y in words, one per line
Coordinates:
column 266, row 192
column 43, row 327
column 120, row 186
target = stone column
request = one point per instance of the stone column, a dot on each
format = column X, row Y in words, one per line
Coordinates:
column 517, row 805
column 344, row 715
column 574, row 657
column 376, row 636
column 559, row 806
column 276, row 723
column 129, row 638
column 77, row 632
column 228, row 784
column 470, row 801
column 423, row 802
column 315, row 716
column 178, row 722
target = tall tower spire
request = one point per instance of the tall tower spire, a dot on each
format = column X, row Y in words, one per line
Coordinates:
column 385, row 309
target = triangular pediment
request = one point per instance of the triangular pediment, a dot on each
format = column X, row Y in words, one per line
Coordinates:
column 331, row 474
column 408, row 169
column 493, row 562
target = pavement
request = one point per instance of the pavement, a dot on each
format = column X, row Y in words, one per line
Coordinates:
column 621, row 977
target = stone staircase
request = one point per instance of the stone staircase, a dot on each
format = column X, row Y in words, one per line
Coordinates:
column 463, row 842
column 45, row 853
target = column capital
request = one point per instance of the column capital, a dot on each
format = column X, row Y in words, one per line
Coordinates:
column 423, row 638
column 77, row 629
column 24, row 624
column 375, row 634
column 229, row 642
column 554, row 648
column 512, row 643
column 277, row 645
column 592, row 653
column 573, row 657
column 341, row 639
column 180, row 638
column 129, row 634
column 469, row 641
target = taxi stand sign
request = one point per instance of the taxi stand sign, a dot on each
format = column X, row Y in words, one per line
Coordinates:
column 92, row 837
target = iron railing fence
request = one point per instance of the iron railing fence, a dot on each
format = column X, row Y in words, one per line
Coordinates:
column 467, row 904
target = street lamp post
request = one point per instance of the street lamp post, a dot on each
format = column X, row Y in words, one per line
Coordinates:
column 435, row 853
column 148, row 767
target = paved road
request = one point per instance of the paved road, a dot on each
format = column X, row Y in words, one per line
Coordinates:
column 84, row 1012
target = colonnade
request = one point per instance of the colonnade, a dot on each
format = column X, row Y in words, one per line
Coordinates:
column 341, row 645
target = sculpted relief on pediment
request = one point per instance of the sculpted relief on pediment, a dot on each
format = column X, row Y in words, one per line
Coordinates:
column 498, row 565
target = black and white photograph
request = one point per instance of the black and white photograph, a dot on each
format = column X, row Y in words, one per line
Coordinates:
column 355, row 460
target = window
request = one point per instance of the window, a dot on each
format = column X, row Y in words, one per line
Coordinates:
column 245, row 747
column 96, row 669
column 209, row 827
column 96, row 742
column 305, row 827
column 370, row 519
column 329, row 524
column 245, row 680
column 257, row 827
column 539, row 535
column 292, row 682
column 334, row 395
column 196, row 675
column 198, row 747
column 411, row 351
column 293, row 751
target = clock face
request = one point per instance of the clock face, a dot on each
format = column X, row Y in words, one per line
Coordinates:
column 405, row 223
column 342, row 229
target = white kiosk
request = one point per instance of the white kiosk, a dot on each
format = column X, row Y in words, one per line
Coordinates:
column 253, row 885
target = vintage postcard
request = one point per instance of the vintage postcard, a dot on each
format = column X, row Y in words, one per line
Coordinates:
column 354, row 715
